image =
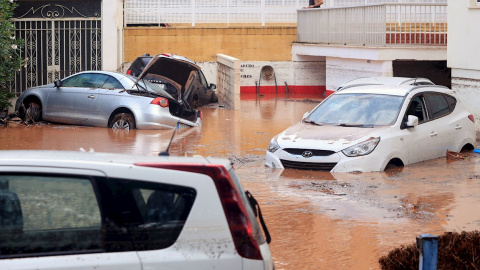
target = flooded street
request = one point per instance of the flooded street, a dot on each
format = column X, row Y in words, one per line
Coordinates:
column 318, row 220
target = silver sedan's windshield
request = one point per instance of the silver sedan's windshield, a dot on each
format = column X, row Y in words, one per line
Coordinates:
column 146, row 85
column 357, row 110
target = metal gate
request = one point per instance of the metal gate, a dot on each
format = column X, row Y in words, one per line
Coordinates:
column 56, row 46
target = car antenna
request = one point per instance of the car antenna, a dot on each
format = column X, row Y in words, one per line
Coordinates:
column 166, row 153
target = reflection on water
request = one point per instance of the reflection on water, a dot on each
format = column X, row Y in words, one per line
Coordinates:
column 318, row 220
column 75, row 138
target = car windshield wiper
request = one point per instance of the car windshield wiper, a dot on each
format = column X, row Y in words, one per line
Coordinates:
column 350, row 125
column 308, row 121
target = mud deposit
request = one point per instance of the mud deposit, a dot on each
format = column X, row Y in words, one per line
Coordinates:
column 318, row 220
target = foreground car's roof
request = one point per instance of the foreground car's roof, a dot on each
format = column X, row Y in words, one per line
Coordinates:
column 82, row 159
column 395, row 90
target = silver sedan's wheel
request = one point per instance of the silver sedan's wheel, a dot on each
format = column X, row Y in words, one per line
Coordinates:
column 123, row 121
column 32, row 113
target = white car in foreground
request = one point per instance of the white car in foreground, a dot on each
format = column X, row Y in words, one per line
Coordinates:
column 83, row 210
column 365, row 128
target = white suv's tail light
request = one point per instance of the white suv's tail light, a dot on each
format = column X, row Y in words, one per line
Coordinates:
column 235, row 210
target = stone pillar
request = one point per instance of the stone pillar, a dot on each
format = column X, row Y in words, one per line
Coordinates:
column 228, row 81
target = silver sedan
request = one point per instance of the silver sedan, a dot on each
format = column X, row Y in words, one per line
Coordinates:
column 105, row 99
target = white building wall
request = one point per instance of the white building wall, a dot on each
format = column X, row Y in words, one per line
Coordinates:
column 308, row 72
column 463, row 53
column 309, row 69
column 349, row 62
column 209, row 69
column 112, row 34
column 292, row 73
column 463, row 34
column 340, row 70
column 250, row 73
column 467, row 85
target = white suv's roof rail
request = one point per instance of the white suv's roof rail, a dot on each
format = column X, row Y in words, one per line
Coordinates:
column 385, row 81
column 400, row 90
column 355, row 85
column 414, row 87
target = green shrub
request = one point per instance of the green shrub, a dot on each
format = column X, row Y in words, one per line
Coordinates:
column 10, row 59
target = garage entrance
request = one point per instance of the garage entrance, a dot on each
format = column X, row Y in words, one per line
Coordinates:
column 436, row 71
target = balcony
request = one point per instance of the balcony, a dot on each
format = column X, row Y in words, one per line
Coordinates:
column 375, row 25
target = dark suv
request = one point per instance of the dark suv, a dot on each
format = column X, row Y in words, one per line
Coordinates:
column 178, row 75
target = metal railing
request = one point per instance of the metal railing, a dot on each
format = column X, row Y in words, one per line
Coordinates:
column 160, row 12
column 349, row 3
column 378, row 25
column 151, row 12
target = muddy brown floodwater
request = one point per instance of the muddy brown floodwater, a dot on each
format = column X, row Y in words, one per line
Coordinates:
column 317, row 220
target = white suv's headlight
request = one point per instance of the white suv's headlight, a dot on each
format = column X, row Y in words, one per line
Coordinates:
column 273, row 146
column 361, row 149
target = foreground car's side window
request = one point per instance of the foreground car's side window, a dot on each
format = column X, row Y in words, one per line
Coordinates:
column 48, row 215
column 43, row 215
column 148, row 215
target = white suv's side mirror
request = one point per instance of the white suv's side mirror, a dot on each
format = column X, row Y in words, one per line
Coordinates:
column 412, row 121
column 305, row 115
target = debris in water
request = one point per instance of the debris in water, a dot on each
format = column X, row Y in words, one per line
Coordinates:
column 456, row 155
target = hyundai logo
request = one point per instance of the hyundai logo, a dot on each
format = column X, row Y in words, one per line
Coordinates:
column 307, row 154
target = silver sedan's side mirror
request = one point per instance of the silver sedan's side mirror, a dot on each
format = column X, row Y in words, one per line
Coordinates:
column 412, row 121
column 57, row 83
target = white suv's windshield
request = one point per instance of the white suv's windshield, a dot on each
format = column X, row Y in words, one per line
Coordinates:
column 357, row 110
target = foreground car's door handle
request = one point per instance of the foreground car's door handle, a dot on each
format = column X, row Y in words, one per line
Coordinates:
column 458, row 127
column 91, row 97
column 433, row 134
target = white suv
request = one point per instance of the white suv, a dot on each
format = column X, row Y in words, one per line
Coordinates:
column 77, row 210
column 369, row 127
